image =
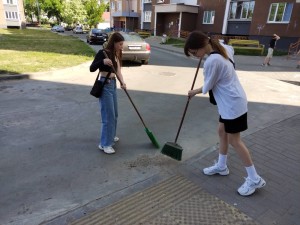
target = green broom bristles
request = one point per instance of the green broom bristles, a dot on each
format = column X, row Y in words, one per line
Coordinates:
column 172, row 150
column 152, row 138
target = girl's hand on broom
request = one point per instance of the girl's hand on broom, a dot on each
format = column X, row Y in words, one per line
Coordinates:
column 123, row 85
column 192, row 93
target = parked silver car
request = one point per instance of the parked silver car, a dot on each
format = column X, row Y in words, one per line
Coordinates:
column 78, row 30
column 135, row 48
column 58, row 28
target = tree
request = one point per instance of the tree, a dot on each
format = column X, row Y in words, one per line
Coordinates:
column 94, row 12
column 32, row 9
column 73, row 12
column 53, row 8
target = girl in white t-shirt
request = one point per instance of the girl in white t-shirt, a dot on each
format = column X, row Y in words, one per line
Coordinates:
column 221, row 80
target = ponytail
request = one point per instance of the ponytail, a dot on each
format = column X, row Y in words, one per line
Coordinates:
column 198, row 39
column 215, row 44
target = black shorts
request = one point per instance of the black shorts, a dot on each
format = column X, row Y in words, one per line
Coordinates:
column 236, row 125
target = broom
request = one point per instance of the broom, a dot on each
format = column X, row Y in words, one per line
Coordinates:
column 148, row 132
column 172, row 149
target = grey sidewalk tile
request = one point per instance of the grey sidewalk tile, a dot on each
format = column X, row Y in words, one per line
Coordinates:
column 295, row 203
column 274, row 177
column 258, row 148
column 248, row 142
column 287, row 219
column 277, row 203
column 265, row 218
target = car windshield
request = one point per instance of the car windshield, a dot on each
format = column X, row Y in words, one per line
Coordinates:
column 96, row 31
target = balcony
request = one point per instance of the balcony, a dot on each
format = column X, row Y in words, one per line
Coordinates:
column 124, row 14
column 185, row 2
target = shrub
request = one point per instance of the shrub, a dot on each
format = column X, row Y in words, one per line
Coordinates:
column 241, row 51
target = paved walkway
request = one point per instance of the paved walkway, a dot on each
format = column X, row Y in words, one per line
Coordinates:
column 189, row 197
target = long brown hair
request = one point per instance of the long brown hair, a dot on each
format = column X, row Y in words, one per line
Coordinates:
column 110, row 48
column 198, row 39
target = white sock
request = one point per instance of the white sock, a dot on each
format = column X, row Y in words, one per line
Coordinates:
column 222, row 161
column 252, row 174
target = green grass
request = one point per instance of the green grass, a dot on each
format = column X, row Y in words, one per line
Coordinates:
column 278, row 53
column 175, row 41
column 257, row 52
column 34, row 50
column 241, row 51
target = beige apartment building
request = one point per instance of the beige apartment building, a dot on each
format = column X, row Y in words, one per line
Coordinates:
column 12, row 14
column 126, row 14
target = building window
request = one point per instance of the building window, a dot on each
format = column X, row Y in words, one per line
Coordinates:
column 241, row 10
column 160, row 1
column 147, row 1
column 9, row 2
column 11, row 15
column 280, row 12
column 119, row 6
column 208, row 17
column 147, row 16
column 112, row 6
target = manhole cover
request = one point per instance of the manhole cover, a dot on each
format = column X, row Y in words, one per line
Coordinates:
column 169, row 74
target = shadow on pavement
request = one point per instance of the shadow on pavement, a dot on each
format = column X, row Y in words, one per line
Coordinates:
column 50, row 163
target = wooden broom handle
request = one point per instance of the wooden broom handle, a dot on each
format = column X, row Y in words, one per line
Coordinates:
column 188, row 101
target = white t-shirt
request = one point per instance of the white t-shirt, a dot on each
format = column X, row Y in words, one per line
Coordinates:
column 220, row 77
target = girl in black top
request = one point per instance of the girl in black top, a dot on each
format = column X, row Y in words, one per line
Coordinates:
column 108, row 99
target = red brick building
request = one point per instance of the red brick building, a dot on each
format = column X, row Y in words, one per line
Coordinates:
column 256, row 19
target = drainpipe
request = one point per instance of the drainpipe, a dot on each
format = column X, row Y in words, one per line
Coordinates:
column 225, row 20
column 179, row 25
column 129, row 19
column 143, row 15
column 155, row 18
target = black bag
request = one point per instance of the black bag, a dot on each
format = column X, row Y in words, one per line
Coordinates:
column 212, row 99
column 97, row 88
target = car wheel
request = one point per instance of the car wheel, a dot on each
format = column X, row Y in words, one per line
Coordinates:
column 145, row 62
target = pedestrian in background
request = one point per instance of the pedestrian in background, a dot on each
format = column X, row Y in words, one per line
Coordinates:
column 108, row 100
column 220, row 77
column 272, row 45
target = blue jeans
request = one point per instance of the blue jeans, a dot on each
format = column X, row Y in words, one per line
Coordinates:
column 109, row 113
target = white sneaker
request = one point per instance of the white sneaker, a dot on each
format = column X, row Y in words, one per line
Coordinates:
column 116, row 139
column 107, row 150
column 215, row 169
column 249, row 186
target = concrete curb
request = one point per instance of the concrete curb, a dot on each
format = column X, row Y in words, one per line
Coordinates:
column 14, row 77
